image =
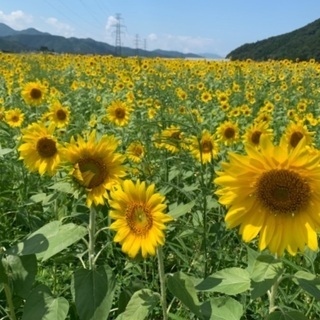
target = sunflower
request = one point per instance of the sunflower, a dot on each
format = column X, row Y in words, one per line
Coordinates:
column 295, row 131
column 204, row 149
column 273, row 192
column 40, row 150
column 135, row 151
column 172, row 139
column 59, row 114
column 34, row 93
column 206, row 96
column 14, row 117
column 254, row 132
column 119, row 113
column 140, row 218
column 95, row 165
column 228, row 132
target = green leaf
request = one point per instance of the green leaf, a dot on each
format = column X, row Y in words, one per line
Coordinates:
column 260, row 288
column 308, row 282
column 42, row 305
column 3, row 273
column 23, row 271
column 282, row 315
column 92, row 291
column 266, row 267
column 230, row 281
column 49, row 240
column 222, row 308
column 181, row 286
column 5, row 151
column 140, row 305
column 181, row 209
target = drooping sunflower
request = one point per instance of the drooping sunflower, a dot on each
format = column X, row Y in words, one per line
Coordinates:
column 140, row 218
column 273, row 193
column 34, row 93
column 135, row 151
column 59, row 114
column 204, row 149
column 14, row 117
column 172, row 139
column 228, row 132
column 295, row 131
column 119, row 113
column 254, row 132
column 40, row 150
column 95, row 165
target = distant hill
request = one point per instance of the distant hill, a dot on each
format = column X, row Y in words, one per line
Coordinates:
column 33, row 40
column 302, row 44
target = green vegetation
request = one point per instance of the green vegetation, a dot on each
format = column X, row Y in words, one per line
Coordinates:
column 302, row 44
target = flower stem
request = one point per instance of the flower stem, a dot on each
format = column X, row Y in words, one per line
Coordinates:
column 9, row 301
column 92, row 237
column 162, row 283
column 272, row 295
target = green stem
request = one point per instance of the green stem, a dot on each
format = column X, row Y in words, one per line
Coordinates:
column 92, row 237
column 9, row 301
column 272, row 295
column 162, row 283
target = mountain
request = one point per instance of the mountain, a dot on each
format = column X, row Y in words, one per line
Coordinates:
column 33, row 40
column 210, row 55
column 302, row 44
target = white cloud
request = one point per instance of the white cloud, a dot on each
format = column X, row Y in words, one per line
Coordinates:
column 112, row 21
column 180, row 43
column 16, row 19
column 60, row 28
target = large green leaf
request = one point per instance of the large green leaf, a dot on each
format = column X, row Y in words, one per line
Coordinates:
column 309, row 282
column 182, row 287
column 22, row 272
column 42, row 305
column 283, row 315
column 176, row 211
column 92, row 291
column 230, row 281
column 266, row 267
column 140, row 305
column 222, row 308
column 49, row 240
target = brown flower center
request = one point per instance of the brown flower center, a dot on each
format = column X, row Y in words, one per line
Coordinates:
column 283, row 191
column 120, row 113
column 139, row 218
column 94, row 172
column 61, row 115
column 176, row 135
column 206, row 146
column 46, row 147
column 229, row 133
column 255, row 137
column 35, row 93
column 295, row 138
column 15, row 119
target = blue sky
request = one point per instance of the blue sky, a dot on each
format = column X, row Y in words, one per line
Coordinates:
column 196, row 26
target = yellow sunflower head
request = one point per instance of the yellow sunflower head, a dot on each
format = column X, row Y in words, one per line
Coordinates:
column 135, row 151
column 228, row 133
column 40, row 150
column 119, row 113
column 205, row 148
column 59, row 114
column 254, row 132
column 139, row 217
column 172, row 139
column 95, row 165
column 14, row 117
column 34, row 93
column 273, row 192
column 294, row 132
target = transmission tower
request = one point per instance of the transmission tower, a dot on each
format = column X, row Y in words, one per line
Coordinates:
column 118, row 27
column 137, row 41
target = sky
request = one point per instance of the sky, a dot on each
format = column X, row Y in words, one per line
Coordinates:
column 196, row 26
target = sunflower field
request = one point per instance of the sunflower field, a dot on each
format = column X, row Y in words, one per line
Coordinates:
column 137, row 188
